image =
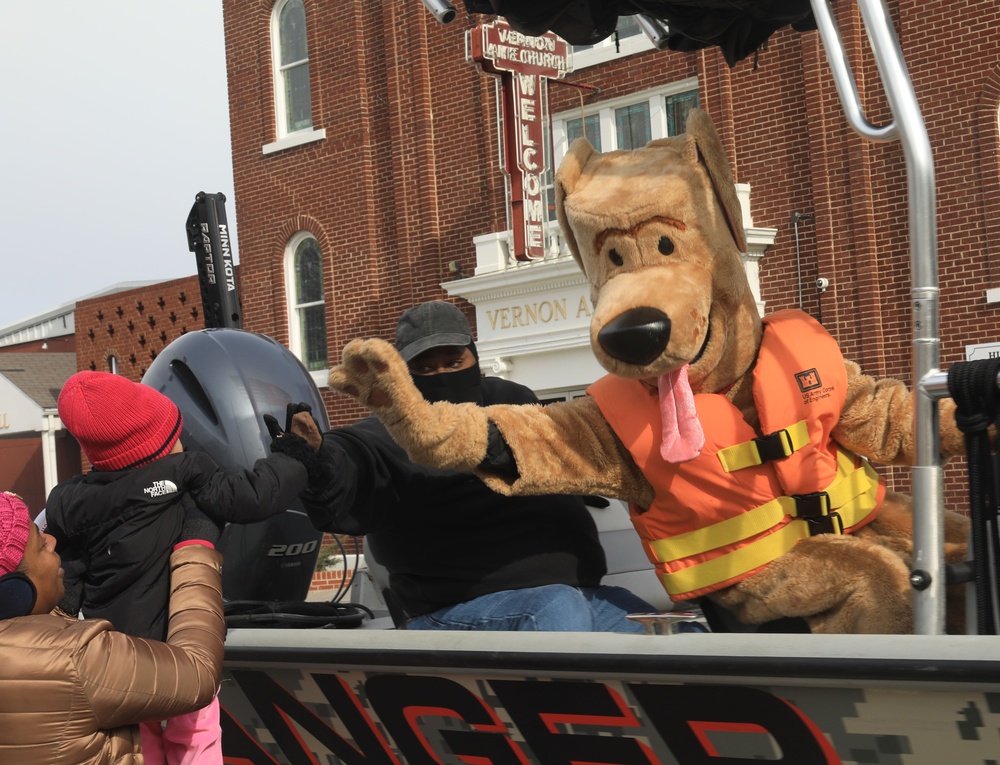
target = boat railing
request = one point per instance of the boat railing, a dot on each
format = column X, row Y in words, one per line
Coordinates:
column 928, row 382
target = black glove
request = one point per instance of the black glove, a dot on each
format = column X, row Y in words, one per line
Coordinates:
column 197, row 525
column 73, row 571
column 320, row 471
column 279, row 436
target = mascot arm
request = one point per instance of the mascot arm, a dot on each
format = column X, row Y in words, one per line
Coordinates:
column 564, row 448
column 877, row 421
column 441, row 435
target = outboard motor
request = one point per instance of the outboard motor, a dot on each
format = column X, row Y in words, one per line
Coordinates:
column 224, row 381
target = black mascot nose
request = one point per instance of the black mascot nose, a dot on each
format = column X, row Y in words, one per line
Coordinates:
column 637, row 336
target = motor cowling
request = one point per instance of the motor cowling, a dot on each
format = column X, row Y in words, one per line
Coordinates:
column 224, row 381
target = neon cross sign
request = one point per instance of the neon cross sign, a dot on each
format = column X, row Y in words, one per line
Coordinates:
column 524, row 65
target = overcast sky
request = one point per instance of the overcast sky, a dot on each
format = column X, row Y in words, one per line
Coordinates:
column 114, row 116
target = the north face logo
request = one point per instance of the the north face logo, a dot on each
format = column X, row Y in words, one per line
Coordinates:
column 808, row 380
column 159, row 488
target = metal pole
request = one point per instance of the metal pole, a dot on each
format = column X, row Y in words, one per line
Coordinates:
column 908, row 126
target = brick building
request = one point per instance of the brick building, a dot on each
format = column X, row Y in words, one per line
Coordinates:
column 37, row 355
column 123, row 332
column 367, row 178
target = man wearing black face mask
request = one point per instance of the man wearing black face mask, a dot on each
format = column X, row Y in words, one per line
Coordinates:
column 460, row 556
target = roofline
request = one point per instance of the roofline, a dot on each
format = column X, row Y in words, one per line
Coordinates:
column 69, row 307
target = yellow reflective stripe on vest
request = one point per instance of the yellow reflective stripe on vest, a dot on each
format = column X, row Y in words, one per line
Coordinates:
column 747, row 454
column 766, row 549
column 736, row 563
column 852, row 496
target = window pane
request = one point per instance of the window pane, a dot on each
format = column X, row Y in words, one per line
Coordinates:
column 309, row 304
column 628, row 26
column 575, row 129
column 633, row 126
column 292, row 32
column 298, row 99
column 312, row 324
column 308, row 273
column 678, row 108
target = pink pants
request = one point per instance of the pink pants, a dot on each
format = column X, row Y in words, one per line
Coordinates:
column 191, row 739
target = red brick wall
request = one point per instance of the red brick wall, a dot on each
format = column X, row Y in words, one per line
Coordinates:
column 135, row 325
column 406, row 176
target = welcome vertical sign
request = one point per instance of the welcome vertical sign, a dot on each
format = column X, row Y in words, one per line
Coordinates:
column 524, row 65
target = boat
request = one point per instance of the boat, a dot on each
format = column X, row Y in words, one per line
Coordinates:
column 340, row 683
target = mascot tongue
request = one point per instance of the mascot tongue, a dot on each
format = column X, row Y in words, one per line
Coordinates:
column 682, row 436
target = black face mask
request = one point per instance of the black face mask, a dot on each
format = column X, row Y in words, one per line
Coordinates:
column 461, row 387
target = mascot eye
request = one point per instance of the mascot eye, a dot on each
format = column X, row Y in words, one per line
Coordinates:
column 615, row 257
column 666, row 247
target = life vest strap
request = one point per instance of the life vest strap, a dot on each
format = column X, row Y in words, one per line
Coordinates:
column 847, row 502
column 773, row 446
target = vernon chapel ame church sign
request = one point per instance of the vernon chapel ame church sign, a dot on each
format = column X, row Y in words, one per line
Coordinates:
column 524, row 65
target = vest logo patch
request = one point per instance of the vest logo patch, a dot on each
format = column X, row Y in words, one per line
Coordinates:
column 159, row 488
column 808, row 380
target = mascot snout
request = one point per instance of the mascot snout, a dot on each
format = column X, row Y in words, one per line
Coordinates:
column 637, row 336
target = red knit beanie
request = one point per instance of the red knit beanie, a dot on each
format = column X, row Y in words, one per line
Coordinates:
column 119, row 424
column 14, row 530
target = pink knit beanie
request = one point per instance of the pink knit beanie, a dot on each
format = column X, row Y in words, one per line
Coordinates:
column 14, row 527
column 119, row 424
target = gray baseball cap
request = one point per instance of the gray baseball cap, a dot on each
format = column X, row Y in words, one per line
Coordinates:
column 430, row 325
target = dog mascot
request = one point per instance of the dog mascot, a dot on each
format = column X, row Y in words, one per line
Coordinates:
column 742, row 445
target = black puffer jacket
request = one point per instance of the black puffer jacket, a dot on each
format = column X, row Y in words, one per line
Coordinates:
column 118, row 527
column 443, row 536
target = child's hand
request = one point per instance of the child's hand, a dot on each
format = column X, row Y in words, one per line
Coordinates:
column 73, row 571
column 304, row 448
column 198, row 527
column 299, row 423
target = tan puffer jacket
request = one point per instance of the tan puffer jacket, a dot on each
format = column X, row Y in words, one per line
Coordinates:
column 72, row 692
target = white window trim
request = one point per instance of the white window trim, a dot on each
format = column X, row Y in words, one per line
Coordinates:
column 291, row 140
column 319, row 376
column 605, row 50
column 280, row 118
column 606, row 109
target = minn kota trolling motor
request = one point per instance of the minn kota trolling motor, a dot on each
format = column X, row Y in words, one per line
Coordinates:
column 224, row 380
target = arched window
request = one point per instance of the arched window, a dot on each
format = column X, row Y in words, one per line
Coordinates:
column 293, row 100
column 306, row 309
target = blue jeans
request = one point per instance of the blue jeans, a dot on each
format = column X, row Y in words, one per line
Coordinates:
column 550, row 608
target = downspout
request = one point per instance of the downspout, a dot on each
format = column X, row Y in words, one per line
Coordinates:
column 50, row 471
column 796, row 217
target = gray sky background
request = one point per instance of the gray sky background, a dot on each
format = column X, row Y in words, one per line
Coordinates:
column 115, row 115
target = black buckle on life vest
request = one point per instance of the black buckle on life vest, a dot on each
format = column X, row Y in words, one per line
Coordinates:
column 826, row 524
column 774, row 446
column 815, row 505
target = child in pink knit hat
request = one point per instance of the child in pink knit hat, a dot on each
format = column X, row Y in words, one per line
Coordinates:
column 106, row 522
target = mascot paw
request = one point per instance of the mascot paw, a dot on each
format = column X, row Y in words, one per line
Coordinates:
column 441, row 435
column 373, row 374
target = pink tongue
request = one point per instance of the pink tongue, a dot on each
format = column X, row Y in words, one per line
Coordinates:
column 683, row 437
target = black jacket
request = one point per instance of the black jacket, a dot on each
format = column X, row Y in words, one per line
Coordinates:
column 120, row 526
column 444, row 537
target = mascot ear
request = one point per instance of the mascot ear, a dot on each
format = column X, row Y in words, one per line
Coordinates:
column 17, row 595
column 705, row 146
column 567, row 177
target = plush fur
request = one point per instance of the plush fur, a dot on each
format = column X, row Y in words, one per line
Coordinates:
column 660, row 228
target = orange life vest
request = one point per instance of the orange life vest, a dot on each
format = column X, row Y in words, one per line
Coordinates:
column 746, row 500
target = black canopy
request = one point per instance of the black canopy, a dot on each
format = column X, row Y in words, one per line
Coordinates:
column 737, row 27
